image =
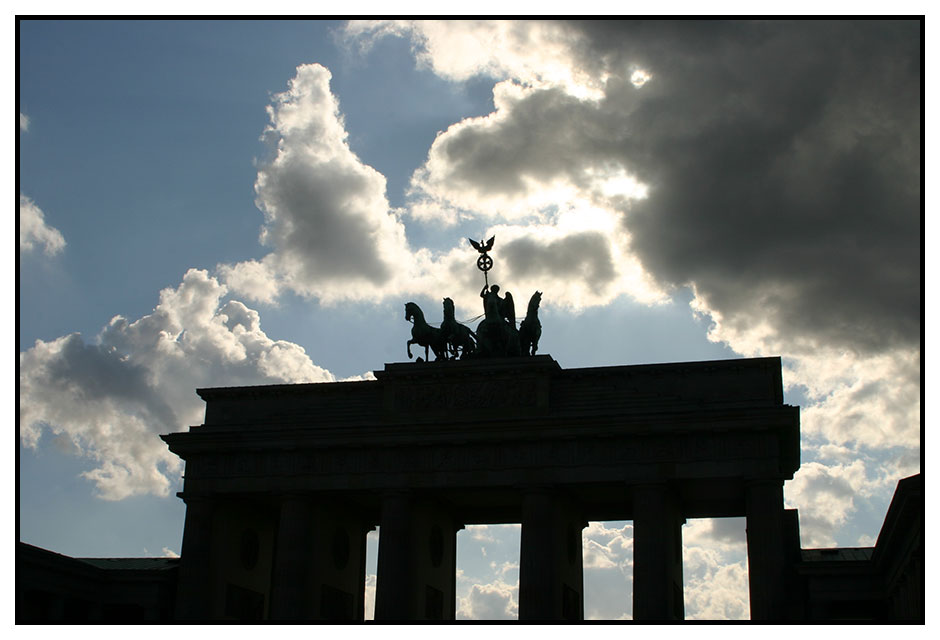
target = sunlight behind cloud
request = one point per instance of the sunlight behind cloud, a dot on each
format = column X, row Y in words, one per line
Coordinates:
column 640, row 77
column 537, row 53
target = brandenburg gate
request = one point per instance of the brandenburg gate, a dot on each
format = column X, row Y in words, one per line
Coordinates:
column 283, row 483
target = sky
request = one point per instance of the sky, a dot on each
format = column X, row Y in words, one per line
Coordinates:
column 220, row 203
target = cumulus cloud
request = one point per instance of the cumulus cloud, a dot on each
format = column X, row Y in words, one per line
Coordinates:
column 606, row 547
column 714, row 558
column 333, row 235
column 327, row 221
column 716, row 590
column 111, row 398
column 496, row 601
column 872, row 401
column 534, row 52
column 34, row 232
column 607, row 557
column 369, row 613
column 826, row 496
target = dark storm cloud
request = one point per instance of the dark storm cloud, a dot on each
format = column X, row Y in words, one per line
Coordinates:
column 782, row 160
column 584, row 256
column 550, row 133
column 785, row 175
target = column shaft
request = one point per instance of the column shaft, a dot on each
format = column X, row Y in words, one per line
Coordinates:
column 395, row 579
column 551, row 583
column 766, row 551
column 417, row 554
column 657, row 554
column 194, row 586
column 291, row 589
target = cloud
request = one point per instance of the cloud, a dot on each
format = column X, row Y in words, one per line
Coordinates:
column 608, row 548
column 536, row 52
column 496, row 601
column 714, row 558
column 826, row 497
column 724, row 534
column 253, row 279
column 327, row 220
column 24, row 122
column 370, row 596
column 333, row 235
column 607, row 557
column 480, row 532
column 110, row 399
column 720, row 593
column 35, row 232
column 872, row 401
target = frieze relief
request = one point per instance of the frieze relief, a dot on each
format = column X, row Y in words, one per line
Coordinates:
column 489, row 456
column 467, row 395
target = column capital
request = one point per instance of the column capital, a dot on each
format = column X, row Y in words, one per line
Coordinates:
column 386, row 494
column 637, row 491
column 763, row 482
column 283, row 496
column 191, row 498
column 535, row 487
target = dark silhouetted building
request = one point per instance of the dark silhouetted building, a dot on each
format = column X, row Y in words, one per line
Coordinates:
column 283, row 483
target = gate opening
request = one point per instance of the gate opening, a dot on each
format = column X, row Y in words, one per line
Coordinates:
column 607, row 552
column 488, row 572
column 714, row 555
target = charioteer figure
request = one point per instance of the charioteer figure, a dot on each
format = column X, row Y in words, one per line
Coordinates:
column 504, row 308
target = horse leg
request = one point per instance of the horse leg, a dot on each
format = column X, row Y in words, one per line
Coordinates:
column 410, row 342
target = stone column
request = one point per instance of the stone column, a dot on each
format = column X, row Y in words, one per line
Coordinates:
column 291, row 597
column 194, row 588
column 551, row 584
column 395, row 574
column 657, row 554
column 417, row 550
column 766, row 550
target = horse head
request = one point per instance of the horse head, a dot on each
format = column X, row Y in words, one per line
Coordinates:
column 448, row 308
column 411, row 310
column 534, row 301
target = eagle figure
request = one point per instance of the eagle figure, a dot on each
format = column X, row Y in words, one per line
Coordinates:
column 480, row 246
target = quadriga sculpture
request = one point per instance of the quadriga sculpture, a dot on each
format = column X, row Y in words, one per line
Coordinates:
column 423, row 334
column 530, row 330
column 459, row 340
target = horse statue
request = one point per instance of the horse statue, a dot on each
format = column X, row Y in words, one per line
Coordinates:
column 423, row 334
column 530, row 330
column 458, row 339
